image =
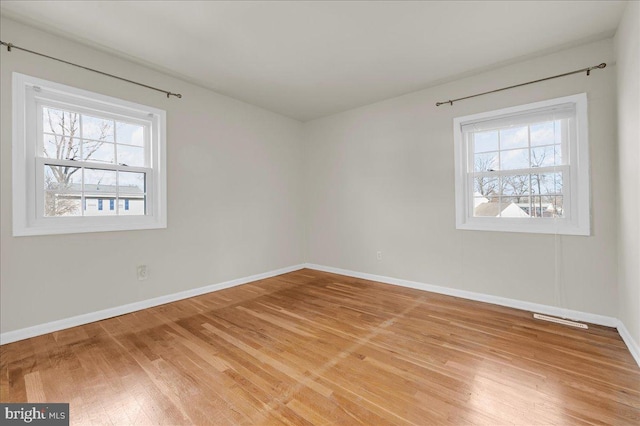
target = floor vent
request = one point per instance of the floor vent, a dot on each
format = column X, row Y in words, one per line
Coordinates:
column 560, row 321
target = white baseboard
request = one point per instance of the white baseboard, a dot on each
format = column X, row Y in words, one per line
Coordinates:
column 606, row 321
column 480, row 297
column 496, row 300
column 633, row 346
column 37, row 330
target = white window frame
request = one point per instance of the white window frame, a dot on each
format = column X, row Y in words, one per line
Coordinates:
column 577, row 193
column 28, row 166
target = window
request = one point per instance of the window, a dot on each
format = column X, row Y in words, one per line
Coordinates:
column 524, row 169
column 73, row 150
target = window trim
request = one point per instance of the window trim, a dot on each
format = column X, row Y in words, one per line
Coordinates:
column 578, row 222
column 25, row 171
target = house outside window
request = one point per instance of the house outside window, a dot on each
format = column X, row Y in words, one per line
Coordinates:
column 73, row 149
column 524, row 169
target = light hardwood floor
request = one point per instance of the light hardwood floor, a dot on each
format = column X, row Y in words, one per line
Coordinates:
column 315, row 348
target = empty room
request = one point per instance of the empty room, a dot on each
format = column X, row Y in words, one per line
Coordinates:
column 320, row 212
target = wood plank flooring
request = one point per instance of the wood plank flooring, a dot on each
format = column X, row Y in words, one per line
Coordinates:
column 312, row 348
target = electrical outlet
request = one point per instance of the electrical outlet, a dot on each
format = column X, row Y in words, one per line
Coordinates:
column 379, row 255
column 143, row 274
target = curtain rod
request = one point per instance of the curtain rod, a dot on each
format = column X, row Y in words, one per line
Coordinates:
column 11, row 46
column 587, row 70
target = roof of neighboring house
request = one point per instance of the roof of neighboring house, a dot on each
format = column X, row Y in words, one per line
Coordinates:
column 513, row 210
column 487, row 209
column 494, row 210
column 123, row 190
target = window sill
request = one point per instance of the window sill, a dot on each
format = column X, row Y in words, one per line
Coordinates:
column 524, row 225
column 56, row 226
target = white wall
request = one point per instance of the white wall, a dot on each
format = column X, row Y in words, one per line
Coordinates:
column 380, row 177
column 627, row 43
column 235, row 197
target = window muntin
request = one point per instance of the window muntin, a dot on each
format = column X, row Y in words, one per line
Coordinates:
column 518, row 171
column 524, row 169
column 110, row 158
column 85, row 162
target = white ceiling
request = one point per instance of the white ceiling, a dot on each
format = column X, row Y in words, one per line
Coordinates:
column 310, row 59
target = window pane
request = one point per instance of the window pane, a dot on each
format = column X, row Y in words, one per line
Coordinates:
column 130, row 134
column 131, row 183
column 133, row 206
column 61, row 147
column 538, row 206
column 554, row 207
column 97, row 181
column 485, row 186
column 62, row 193
column 485, row 162
column 102, row 152
column 100, row 205
column 544, row 133
column 514, row 159
column 485, row 141
column 60, row 122
column 486, row 208
column 512, row 206
column 523, row 202
column 546, row 156
column 132, row 188
column 516, row 137
column 62, row 204
column 62, row 178
column 131, row 155
column 547, row 183
column 97, row 128
column 548, row 206
column 517, row 185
